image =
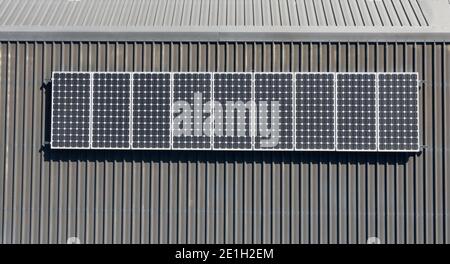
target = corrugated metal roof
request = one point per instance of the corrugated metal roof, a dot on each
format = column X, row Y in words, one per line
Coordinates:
column 213, row 196
column 176, row 13
column 218, row 19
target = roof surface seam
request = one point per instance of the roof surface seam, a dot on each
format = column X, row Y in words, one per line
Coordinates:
column 316, row 15
column 156, row 13
column 360, row 13
column 324, row 13
column 289, row 11
column 404, row 10
column 397, row 12
column 352, row 14
column 28, row 13
column 415, row 13
column 423, row 14
column 306, row 13
column 10, row 16
column 342, row 12
column 130, row 14
column 377, row 8
column 334, row 13
column 59, row 17
column 166, row 13
column 387, row 14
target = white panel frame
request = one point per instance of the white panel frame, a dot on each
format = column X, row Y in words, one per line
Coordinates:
column 376, row 113
column 418, row 115
column 52, row 108
column 293, row 110
column 132, row 111
column 334, row 112
column 130, row 108
column 212, row 112
column 251, row 113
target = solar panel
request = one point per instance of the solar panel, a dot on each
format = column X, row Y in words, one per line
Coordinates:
column 356, row 112
column 191, row 111
column 314, row 112
column 111, row 97
column 70, row 110
column 398, row 125
column 151, row 111
column 232, row 111
column 274, row 116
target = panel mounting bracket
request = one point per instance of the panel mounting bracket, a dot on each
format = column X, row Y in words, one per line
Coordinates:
column 421, row 84
column 44, row 147
column 46, row 85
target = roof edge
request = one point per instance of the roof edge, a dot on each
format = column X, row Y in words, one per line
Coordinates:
column 279, row 34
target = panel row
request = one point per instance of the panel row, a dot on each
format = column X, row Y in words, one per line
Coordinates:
column 235, row 111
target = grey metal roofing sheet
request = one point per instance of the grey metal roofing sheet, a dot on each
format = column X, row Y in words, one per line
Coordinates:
column 223, row 19
column 203, row 12
column 48, row 195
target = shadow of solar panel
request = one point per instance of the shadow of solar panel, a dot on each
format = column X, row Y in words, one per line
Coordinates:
column 314, row 113
column 356, row 112
column 70, row 121
column 111, row 98
column 275, row 112
column 151, row 111
column 398, row 125
column 232, row 111
column 191, row 111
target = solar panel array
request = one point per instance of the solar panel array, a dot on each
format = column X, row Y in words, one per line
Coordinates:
column 251, row 111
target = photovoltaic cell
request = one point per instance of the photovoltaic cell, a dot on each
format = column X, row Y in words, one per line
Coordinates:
column 111, row 98
column 232, row 111
column 191, row 118
column 275, row 114
column 356, row 112
column 314, row 111
column 151, row 111
column 398, row 112
column 70, row 110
